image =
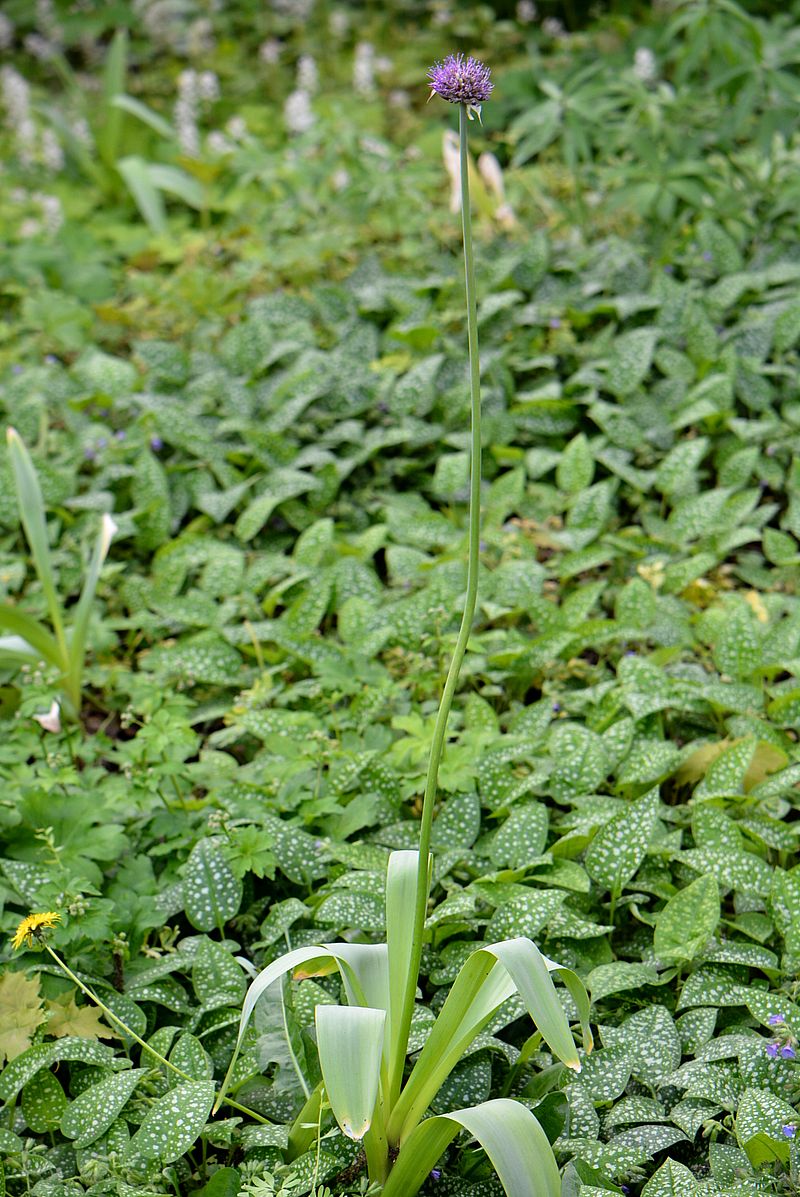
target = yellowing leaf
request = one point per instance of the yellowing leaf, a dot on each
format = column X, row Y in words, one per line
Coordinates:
column 756, row 604
column 67, row 1018
column 767, row 759
column 21, row 1013
column 699, row 762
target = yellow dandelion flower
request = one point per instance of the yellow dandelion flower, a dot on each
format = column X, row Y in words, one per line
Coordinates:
column 31, row 927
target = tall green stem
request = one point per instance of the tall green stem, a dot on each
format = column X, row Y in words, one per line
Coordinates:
column 451, row 681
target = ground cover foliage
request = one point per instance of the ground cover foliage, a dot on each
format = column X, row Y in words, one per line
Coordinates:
column 259, row 371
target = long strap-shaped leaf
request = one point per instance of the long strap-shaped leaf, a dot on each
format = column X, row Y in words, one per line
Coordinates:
column 32, row 632
column 401, row 887
column 509, row 1134
column 31, row 511
column 350, row 1042
column 352, row 965
column 80, row 623
column 488, row 977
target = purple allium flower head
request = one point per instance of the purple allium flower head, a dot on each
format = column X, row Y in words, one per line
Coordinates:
column 461, row 80
column 156, row 443
column 788, row 1132
column 788, row 1053
column 775, row 1020
column 772, row 1050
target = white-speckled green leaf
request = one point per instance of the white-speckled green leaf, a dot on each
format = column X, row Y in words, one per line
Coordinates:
column 742, row 871
column 605, row 1074
column 91, row 1114
column 173, row 1124
column 72, row 1047
column 761, row 1112
column 43, row 1102
column 631, row 1110
column 650, row 1041
column 649, row 1138
column 212, row 892
column 579, row 761
column 618, row 976
column 672, row 1180
column 630, row 360
column 520, row 838
column 217, row 979
column 526, row 914
column 688, row 921
column 620, row 847
column 575, row 469
column 191, row 1057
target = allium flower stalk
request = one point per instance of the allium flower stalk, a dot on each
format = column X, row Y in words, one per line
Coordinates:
column 466, row 82
column 364, row 70
column 298, row 115
column 17, row 103
column 461, row 80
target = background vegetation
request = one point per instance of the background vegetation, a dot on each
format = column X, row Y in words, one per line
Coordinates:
column 233, row 320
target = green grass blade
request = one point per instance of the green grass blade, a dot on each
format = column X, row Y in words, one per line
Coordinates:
column 146, row 115
column 350, row 1042
column 80, row 624
column 509, row 1134
column 31, row 510
column 135, row 173
column 110, row 137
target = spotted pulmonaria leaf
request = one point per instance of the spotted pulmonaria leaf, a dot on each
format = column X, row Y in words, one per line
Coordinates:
column 672, row 1180
column 761, row 1112
column 42, row 1055
column 650, row 1040
column 173, row 1124
column 43, row 1101
column 619, row 848
column 688, row 921
column 21, row 1012
column 212, row 893
column 91, row 1114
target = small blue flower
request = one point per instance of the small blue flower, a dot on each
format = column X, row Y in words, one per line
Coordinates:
column 120, row 434
column 775, row 1020
column 708, row 256
column 788, row 1053
column 788, row 1132
column 156, row 443
column 51, row 361
column 89, row 453
column 772, row 1051
column 102, row 442
column 17, row 369
column 554, row 322
column 436, row 1173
